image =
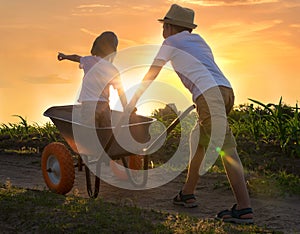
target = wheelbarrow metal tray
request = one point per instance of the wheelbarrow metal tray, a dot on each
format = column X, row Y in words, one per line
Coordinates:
column 61, row 116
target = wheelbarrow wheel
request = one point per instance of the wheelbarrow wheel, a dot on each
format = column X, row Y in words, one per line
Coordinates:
column 134, row 169
column 58, row 168
column 135, row 162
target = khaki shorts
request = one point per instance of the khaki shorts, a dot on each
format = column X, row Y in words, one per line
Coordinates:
column 97, row 113
column 213, row 107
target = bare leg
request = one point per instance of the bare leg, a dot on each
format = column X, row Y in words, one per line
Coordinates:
column 235, row 175
column 193, row 171
column 196, row 156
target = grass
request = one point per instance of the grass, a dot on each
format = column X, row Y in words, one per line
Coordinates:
column 263, row 181
column 45, row 212
column 275, row 185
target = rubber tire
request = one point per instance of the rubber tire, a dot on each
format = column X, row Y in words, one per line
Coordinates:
column 58, row 151
column 135, row 162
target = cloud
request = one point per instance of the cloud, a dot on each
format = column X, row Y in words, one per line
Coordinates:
column 295, row 25
column 93, row 6
column 244, row 33
column 127, row 42
column 89, row 32
column 225, row 2
column 49, row 79
column 241, row 27
column 291, row 3
column 91, row 9
column 124, row 41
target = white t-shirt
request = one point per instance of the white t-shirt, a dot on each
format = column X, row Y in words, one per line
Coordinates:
column 193, row 61
column 99, row 74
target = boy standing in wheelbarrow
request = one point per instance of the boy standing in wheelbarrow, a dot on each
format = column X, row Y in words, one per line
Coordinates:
column 193, row 61
column 99, row 74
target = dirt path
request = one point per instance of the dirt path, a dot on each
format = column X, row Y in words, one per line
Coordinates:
column 276, row 213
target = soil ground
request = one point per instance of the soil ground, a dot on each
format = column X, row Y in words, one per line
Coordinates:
column 277, row 213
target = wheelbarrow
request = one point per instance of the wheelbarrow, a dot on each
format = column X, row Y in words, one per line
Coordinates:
column 57, row 161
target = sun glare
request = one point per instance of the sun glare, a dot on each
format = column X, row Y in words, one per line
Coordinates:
column 165, row 89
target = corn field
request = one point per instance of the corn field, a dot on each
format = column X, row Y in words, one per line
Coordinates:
column 270, row 124
column 273, row 124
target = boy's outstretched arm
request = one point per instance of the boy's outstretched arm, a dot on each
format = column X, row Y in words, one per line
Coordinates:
column 148, row 78
column 71, row 57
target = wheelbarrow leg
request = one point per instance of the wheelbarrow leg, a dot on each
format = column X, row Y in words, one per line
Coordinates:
column 88, row 180
column 91, row 193
column 80, row 163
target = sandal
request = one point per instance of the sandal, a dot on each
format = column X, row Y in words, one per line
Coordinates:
column 235, row 215
column 182, row 200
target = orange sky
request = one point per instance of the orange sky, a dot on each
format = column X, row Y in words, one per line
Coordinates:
column 255, row 42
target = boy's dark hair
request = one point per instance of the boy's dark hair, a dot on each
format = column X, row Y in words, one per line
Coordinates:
column 105, row 44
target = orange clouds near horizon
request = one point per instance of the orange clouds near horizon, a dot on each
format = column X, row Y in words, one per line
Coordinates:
column 255, row 43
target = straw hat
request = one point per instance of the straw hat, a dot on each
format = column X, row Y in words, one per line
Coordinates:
column 180, row 16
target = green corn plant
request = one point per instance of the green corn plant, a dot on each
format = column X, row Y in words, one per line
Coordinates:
column 23, row 124
column 284, row 123
column 294, row 135
column 274, row 116
column 236, row 120
column 255, row 123
column 48, row 131
column 246, row 121
column 10, row 129
column 29, row 135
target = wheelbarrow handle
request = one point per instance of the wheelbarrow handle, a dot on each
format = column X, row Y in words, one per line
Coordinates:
column 170, row 127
